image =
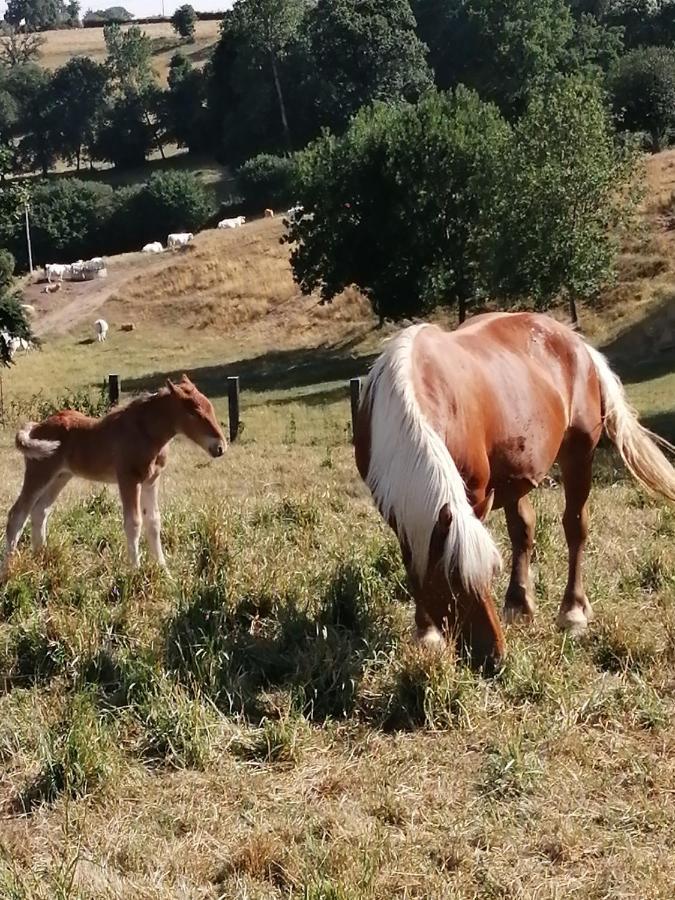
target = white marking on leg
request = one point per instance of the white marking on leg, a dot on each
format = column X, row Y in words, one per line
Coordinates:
column 572, row 619
column 430, row 638
column 42, row 510
column 152, row 521
column 132, row 529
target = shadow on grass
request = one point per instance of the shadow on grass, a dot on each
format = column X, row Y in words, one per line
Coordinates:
column 277, row 370
column 650, row 340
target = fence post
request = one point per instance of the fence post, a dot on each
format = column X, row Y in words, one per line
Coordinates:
column 114, row 389
column 233, row 405
column 355, row 397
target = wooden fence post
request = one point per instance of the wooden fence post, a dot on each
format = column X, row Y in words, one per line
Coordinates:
column 233, row 405
column 114, row 389
column 355, row 397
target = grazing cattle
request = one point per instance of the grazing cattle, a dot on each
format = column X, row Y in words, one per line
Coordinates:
column 269, row 213
column 452, row 425
column 52, row 288
column 101, row 329
column 56, row 270
column 232, row 223
column 154, row 247
column 128, row 446
column 28, row 309
column 178, row 240
column 13, row 344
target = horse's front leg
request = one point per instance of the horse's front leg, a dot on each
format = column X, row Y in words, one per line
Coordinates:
column 520, row 521
column 130, row 493
column 152, row 520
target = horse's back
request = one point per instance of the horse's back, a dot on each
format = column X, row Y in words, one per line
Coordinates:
column 505, row 390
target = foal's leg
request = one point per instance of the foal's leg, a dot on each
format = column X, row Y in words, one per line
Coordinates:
column 152, row 521
column 43, row 507
column 520, row 521
column 36, row 478
column 130, row 492
column 576, row 467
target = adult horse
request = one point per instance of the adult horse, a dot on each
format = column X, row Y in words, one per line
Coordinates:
column 452, row 425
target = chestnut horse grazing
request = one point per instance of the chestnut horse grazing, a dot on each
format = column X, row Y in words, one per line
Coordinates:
column 453, row 424
column 127, row 446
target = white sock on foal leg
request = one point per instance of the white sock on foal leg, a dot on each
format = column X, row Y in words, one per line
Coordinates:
column 132, row 528
column 152, row 522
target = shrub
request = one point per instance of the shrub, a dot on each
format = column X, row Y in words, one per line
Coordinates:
column 643, row 92
column 170, row 201
column 7, row 264
column 267, row 180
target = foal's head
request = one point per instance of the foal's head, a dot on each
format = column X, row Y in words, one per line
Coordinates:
column 196, row 418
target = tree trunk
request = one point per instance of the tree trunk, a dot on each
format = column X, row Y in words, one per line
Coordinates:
column 461, row 308
column 574, row 315
column 282, row 105
column 79, row 154
column 155, row 132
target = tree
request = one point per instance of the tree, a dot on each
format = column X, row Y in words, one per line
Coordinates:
column 39, row 15
column 14, row 321
column 364, row 50
column 394, row 204
column 270, row 26
column 78, row 90
column 184, row 21
column 643, row 92
column 129, row 63
column 18, row 48
column 73, row 14
column 561, row 190
column 125, row 133
column 186, row 104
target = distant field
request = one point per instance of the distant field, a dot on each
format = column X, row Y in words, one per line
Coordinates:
column 60, row 46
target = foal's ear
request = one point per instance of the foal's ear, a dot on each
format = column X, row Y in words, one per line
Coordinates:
column 185, row 379
column 483, row 509
column 171, row 386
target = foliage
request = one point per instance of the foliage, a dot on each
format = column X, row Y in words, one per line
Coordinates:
column 560, row 192
column 113, row 14
column 39, row 15
column 188, row 119
column 125, row 134
column 393, row 204
column 7, row 264
column 13, row 320
column 268, row 180
column 129, row 57
column 183, row 21
column 361, row 52
column 643, row 92
column 77, row 92
column 19, row 47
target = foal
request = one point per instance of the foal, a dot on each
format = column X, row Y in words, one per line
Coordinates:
column 127, row 446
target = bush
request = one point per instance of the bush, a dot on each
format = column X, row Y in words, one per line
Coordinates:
column 267, row 180
column 170, row 201
column 7, row 263
column 643, row 92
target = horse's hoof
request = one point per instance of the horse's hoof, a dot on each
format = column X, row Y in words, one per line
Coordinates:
column 518, row 613
column 573, row 621
column 430, row 639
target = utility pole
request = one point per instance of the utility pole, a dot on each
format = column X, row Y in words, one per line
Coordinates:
column 30, row 249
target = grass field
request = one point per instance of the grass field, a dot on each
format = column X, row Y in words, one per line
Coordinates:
column 61, row 45
column 260, row 725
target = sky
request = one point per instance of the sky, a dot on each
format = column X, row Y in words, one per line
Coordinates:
column 142, row 8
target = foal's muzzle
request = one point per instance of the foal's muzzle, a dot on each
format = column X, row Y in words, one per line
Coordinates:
column 217, row 450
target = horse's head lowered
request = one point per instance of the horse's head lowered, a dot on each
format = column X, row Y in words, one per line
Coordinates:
column 196, row 418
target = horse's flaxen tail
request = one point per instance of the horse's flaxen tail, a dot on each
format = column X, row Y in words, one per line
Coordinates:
column 412, row 476
column 638, row 447
column 34, row 448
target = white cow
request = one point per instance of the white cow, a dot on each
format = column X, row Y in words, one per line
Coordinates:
column 14, row 343
column 154, row 247
column 294, row 213
column 101, row 328
column 232, row 223
column 56, row 270
column 178, row 240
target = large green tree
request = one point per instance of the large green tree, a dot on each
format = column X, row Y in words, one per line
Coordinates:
column 78, row 91
column 186, row 104
column 643, row 92
column 184, row 21
column 361, row 51
column 392, row 206
column 38, row 14
column 560, row 192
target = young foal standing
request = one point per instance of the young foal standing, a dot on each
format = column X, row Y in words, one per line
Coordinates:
column 127, row 446
column 451, row 425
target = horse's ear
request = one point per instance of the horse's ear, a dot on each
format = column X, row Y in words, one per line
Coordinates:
column 171, row 386
column 483, row 509
column 185, row 379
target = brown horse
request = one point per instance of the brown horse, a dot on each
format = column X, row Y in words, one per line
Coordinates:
column 452, row 425
column 127, row 446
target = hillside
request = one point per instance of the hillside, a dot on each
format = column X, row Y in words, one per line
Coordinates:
column 61, row 45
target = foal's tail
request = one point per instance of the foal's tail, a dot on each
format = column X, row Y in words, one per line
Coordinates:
column 34, row 448
column 638, row 447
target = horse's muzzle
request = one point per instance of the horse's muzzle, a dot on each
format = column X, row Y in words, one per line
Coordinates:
column 217, row 450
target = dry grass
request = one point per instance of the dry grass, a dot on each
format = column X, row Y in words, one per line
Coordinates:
column 260, row 726
column 62, row 45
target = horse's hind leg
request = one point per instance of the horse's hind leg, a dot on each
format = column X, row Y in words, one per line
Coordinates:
column 36, row 478
column 130, row 493
column 43, row 507
column 576, row 460
column 520, row 521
